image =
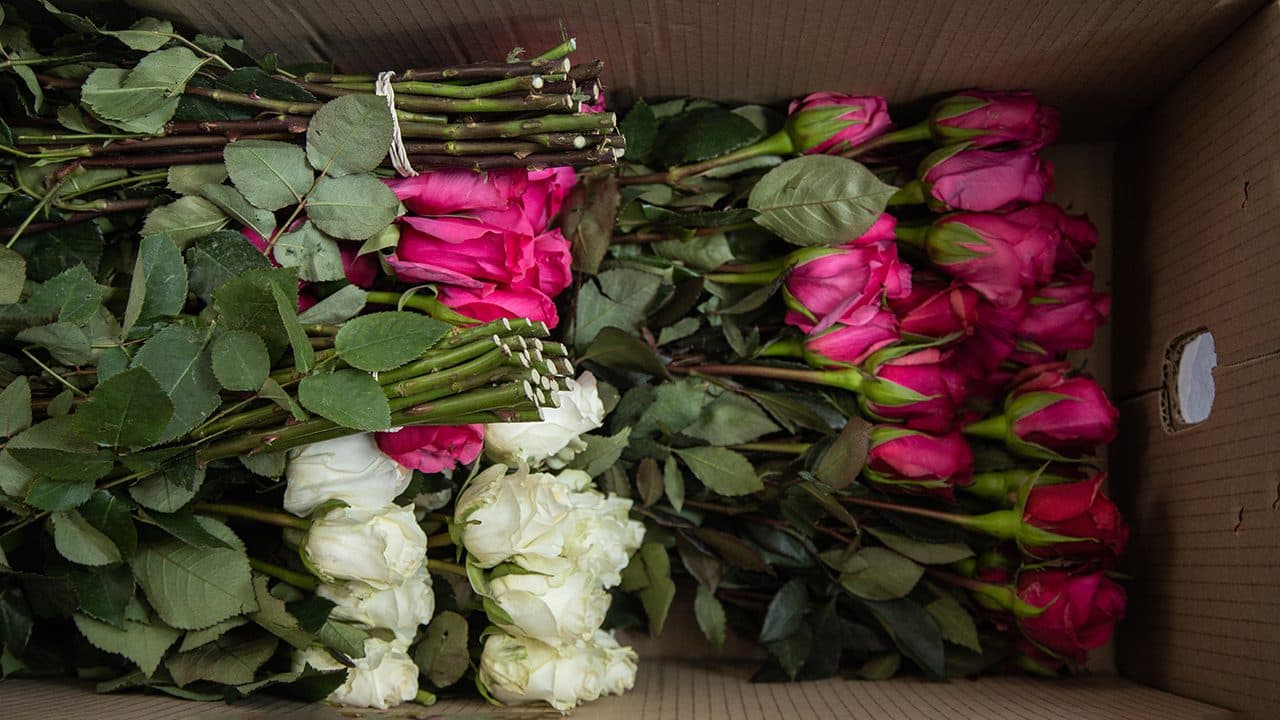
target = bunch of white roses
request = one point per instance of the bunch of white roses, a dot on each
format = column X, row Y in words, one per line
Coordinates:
column 370, row 556
column 542, row 551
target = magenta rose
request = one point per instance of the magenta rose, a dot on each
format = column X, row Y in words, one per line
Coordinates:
column 936, row 308
column 1059, row 318
column 449, row 192
column 989, row 253
column 545, row 196
column 917, row 463
column 829, row 122
column 1076, row 510
column 433, row 448
column 1051, row 415
column 1077, row 234
column 920, row 388
column 552, row 258
column 853, row 340
column 991, row 341
column 826, row 284
column 984, row 180
column 1079, row 610
column 464, row 251
column 984, row 119
column 495, row 302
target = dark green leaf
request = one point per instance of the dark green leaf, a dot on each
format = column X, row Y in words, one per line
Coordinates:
column 819, row 199
column 844, row 459
column 269, row 465
column 240, row 360
column 620, row 300
column 184, row 527
column 67, row 343
column 915, row 633
column 881, row 667
column 349, row 135
column 702, row 134
column 192, row 588
column 352, row 207
column 733, row 549
column 159, row 286
column 791, row 410
column 230, row 201
column 387, row 340
column 286, row 305
column 75, row 294
column 178, row 358
column 78, row 541
column 129, row 410
column 348, row 397
column 640, row 128
column 219, row 257
column 54, row 448
column 315, row 254
column 601, row 452
column 617, row 349
column 673, row 483
column 648, row 481
column 143, row 643
column 275, row 618
column 731, row 419
column 51, row 252
column 103, row 593
column 723, row 471
column 253, row 81
column 232, row 659
column 786, row 612
column 54, row 495
column 339, row 307
column 342, row 637
column 190, row 179
column 710, row 616
column 929, row 553
column 171, row 488
column 886, row 575
column 248, row 302
column 196, row 638
column 185, row 219
column 792, row 651
column 442, row 654
column 13, row 272
column 15, row 407
column 588, row 218
column 955, row 623
column 270, row 174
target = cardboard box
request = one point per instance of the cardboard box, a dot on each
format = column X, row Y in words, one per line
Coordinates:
column 1174, row 103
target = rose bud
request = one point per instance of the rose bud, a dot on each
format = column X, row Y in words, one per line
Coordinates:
column 511, row 516
column 917, row 387
column 1079, row 610
column 917, row 463
column 991, row 341
column 383, row 677
column 936, row 308
column 433, row 448
column 958, row 178
column 825, row 284
column 1078, row 235
column 998, row 258
column 849, row 343
column 1059, row 318
column 382, row 546
column 350, row 469
column 1052, row 416
column 1078, row 520
column 558, row 609
column 493, row 302
column 984, row 119
column 466, row 251
column 828, row 122
column 515, row 670
column 399, row 608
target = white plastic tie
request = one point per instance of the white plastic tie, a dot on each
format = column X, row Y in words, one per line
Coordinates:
column 399, row 156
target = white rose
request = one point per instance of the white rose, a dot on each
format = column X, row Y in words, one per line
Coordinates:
column 380, row 546
column 351, row 469
column 518, row 670
column 385, row 677
column 400, row 608
column 620, row 663
column 555, row 438
column 555, row 609
column 600, row 537
column 505, row 516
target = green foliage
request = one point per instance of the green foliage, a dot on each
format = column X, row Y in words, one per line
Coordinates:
column 819, row 200
column 347, row 397
column 193, row 588
column 387, row 340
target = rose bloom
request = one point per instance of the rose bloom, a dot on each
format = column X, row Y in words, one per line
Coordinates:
column 829, row 122
column 400, row 608
column 600, row 536
column 385, row 677
column 1080, row 610
column 984, row 118
column 998, row 258
column 510, row 516
column 824, row 285
column 920, row 388
column 433, row 448
column 1051, row 413
column 984, row 180
column 519, row 670
column 917, row 463
column 494, row 302
column 1076, row 510
column 1059, row 318
column 848, row 343
column 1077, row 235
column 350, row 469
column 556, row 438
column 936, row 307
column 556, row 609
column 382, row 546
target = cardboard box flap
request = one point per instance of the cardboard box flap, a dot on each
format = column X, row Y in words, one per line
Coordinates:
column 1101, row 60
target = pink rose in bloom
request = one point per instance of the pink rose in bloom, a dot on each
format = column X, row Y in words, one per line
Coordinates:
column 991, row 341
column 1050, row 414
column 989, row 253
column 826, row 284
column 1061, row 318
column 448, row 192
column 545, row 196
column 463, row 251
column 1077, row 234
column 936, row 308
column 552, row 260
column 850, row 342
column 1076, row 510
column 1080, row 610
column 984, row 180
column 994, row 118
column 921, row 389
column 492, row 303
column 432, row 448
column 829, row 122
column 917, row 463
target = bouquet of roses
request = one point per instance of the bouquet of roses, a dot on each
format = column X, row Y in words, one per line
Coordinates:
column 249, row 376
column 841, row 351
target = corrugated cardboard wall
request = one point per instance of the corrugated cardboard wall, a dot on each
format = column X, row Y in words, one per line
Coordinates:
column 1102, row 60
column 1198, row 245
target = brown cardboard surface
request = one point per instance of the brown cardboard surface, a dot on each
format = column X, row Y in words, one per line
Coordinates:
column 684, row 690
column 1199, row 219
column 1102, row 60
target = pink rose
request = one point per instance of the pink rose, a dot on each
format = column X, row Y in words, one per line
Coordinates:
column 826, row 284
column 984, row 118
column 494, row 302
column 1077, row 234
column 936, row 308
column 552, row 260
column 433, row 448
column 1059, row 318
column 463, row 251
column 447, row 192
column 918, row 463
column 1076, row 510
column 853, row 340
column 1080, row 610
column 991, row 341
column 546, row 194
column 828, row 122
column 920, row 388
column 1050, row 414
column 984, row 180
column 989, row 253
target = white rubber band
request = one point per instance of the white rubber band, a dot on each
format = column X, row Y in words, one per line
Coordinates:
column 399, row 156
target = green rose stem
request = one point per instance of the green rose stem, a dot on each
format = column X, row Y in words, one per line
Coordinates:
column 560, row 51
column 910, row 194
column 570, row 122
column 780, row 448
column 479, row 163
column 997, row 597
column 915, row 133
column 915, row 236
column 995, row 427
column 426, row 103
column 257, row 514
column 652, row 237
column 1001, row 486
column 422, row 303
column 521, row 146
column 297, row 579
column 423, row 697
column 441, row 566
column 851, row 379
column 1002, row 524
column 521, row 84
column 473, row 71
column 778, row 143
column 441, row 540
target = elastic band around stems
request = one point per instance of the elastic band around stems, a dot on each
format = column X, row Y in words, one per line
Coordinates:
column 399, row 156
